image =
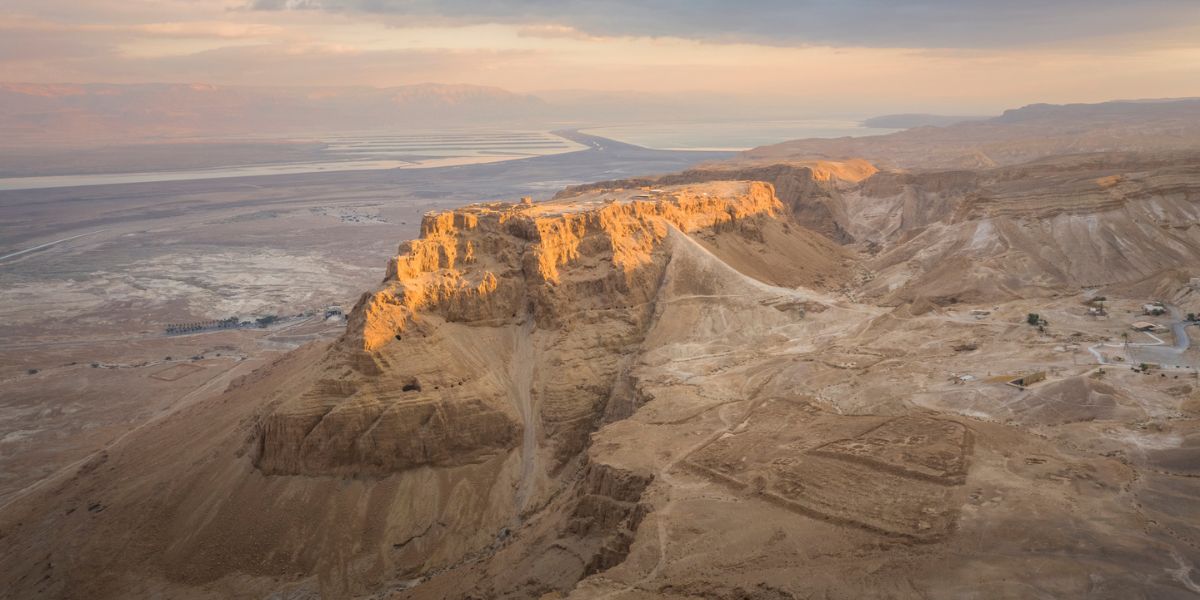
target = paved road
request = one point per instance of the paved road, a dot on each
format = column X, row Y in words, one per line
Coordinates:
column 1168, row 355
column 1158, row 351
column 48, row 244
column 1179, row 329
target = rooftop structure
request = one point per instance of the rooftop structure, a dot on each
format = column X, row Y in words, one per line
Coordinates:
column 1025, row 381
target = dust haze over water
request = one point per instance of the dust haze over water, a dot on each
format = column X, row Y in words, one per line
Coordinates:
column 379, row 151
column 331, row 153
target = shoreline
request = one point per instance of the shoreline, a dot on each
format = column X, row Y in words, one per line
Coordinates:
column 39, row 182
column 781, row 131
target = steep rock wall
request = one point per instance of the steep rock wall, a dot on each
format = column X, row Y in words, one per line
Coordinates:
column 1029, row 230
column 427, row 371
column 810, row 190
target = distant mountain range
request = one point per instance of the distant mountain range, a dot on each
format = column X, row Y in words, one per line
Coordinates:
column 104, row 112
column 910, row 120
column 72, row 115
column 80, row 115
column 1114, row 111
column 1017, row 136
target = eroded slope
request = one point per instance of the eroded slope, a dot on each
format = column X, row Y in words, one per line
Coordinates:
column 451, row 415
column 677, row 392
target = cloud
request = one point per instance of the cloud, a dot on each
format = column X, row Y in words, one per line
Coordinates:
column 168, row 29
column 553, row 32
column 851, row 56
column 227, row 31
column 317, row 64
column 289, row 5
column 874, row 23
column 33, row 46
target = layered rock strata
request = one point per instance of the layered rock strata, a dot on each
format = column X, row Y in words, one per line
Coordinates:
column 497, row 320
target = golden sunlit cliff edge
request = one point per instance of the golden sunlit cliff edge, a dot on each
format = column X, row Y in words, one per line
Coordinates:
column 460, row 269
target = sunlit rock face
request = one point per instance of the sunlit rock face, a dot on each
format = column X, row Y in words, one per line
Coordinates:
column 567, row 288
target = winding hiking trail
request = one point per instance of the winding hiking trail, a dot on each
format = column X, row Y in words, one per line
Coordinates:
column 521, row 374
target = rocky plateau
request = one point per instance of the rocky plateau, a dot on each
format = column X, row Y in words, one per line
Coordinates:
column 747, row 380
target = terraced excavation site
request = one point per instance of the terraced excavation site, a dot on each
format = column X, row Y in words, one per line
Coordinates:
column 766, row 377
column 913, row 462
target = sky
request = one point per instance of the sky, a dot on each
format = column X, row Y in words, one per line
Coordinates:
column 959, row 56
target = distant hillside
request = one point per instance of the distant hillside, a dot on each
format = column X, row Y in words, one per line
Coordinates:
column 910, row 120
column 1117, row 110
column 104, row 112
column 1017, row 136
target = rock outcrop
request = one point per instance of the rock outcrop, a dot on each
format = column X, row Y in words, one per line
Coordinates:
column 680, row 391
column 499, row 319
column 503, row 337
column 809, row 189
column 1029, row 230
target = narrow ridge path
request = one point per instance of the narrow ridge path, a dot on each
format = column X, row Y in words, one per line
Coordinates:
column 521, row 374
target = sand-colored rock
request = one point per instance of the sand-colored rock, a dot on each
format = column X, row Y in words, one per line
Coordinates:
column 1027, row 230
column 416, row 381
column 681, row 391
column 808, row 189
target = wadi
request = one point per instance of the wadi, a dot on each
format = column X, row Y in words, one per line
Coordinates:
column 949, row 362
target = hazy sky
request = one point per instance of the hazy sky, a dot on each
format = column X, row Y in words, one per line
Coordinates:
column 965, row 55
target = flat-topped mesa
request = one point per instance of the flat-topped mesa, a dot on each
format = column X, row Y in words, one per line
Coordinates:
column 491, row 262
column 555, row 296
column 810, row 190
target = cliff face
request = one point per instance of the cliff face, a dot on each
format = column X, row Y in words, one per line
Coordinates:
column 1029, row 230
column 810, row 190
column 1033, row 229
column 680, row 392
column 473, row 264
column 500, row 340
column 501, row 323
